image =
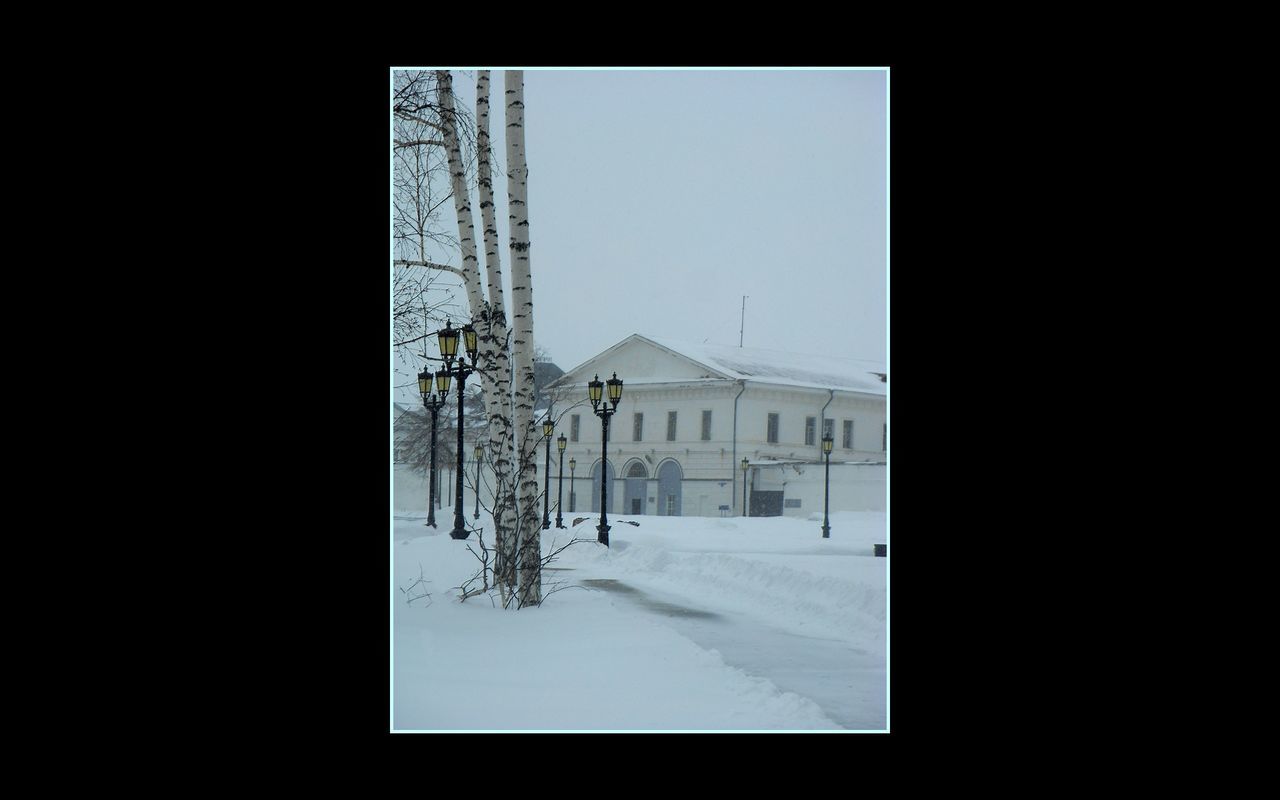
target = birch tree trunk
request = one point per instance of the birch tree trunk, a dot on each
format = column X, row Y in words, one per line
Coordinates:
column 461, row 198
column 496, row 360
column 466, row 227
column 529, row 553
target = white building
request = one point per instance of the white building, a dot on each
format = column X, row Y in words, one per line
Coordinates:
column 690, row 414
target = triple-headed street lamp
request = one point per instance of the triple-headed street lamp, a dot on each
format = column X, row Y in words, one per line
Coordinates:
column 479, row 456
column 594, row 391
column 449, row 351
column 548, row 428
column 826, row 498
column 561, row 442
column 433, row 404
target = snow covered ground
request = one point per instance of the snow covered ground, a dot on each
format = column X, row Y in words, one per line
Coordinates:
column 684, row 623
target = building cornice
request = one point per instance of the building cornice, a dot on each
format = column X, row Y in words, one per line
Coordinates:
column 693, row 387
column 784, row 392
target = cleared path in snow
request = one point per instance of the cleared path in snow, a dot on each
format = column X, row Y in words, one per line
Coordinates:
column 847, row 683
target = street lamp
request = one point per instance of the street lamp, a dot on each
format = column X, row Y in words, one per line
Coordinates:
column 432, row 404
column 449, row 351
column 594, row 392
column 548, row 428
column 826, row 499
column 744, row 488
column 479, row 456
column 561, row 442
column 573, row 497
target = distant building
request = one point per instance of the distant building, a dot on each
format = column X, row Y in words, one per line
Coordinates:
column 411, row 425
column 690, row 414
column 409, row 487
column 544, row 372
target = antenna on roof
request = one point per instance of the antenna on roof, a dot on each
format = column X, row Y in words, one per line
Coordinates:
column 744, row 318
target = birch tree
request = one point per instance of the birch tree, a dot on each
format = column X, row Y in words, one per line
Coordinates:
column 495, row 347
column 461, row 197
column 490, row 318
column 530, row 541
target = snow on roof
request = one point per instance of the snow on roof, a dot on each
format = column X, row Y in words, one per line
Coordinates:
column 788, row 369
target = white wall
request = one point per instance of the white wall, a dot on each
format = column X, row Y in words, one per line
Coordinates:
column 793, row 407
column 712, row 476
column 853, row 487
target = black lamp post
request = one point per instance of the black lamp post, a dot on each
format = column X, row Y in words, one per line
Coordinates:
column 449, row 351
column 594, row 390
column 479, row 457
column 573, row 506
column 432, row 404
column 548, row 428
column 561, row 442
column 826, row 498
column 744, row 488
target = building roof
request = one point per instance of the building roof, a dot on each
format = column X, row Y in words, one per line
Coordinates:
column 759, row 365
column 789, row 369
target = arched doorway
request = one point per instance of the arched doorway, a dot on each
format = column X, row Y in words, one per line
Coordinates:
column 637, row 477
column 670, row 479
column 595, row 488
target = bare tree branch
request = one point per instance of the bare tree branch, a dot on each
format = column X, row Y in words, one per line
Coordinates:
column 404, row 262
column 412, row 118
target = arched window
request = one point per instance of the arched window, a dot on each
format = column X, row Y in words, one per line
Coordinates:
column 635, row 489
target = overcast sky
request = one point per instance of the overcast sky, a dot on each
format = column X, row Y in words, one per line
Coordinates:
column 657, row 199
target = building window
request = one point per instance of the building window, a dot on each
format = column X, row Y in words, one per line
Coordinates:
column 810, row 427
column 671, row 505
column 706, row 426
column 574, row 421
column 848, row 434
column 671, row 426
column 638, row 428
column 772, row 432
column 829, row 429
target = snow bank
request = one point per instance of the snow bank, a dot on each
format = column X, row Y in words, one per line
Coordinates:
column 776, row 569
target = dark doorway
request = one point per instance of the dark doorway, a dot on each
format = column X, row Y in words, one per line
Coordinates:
column 765, row 504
